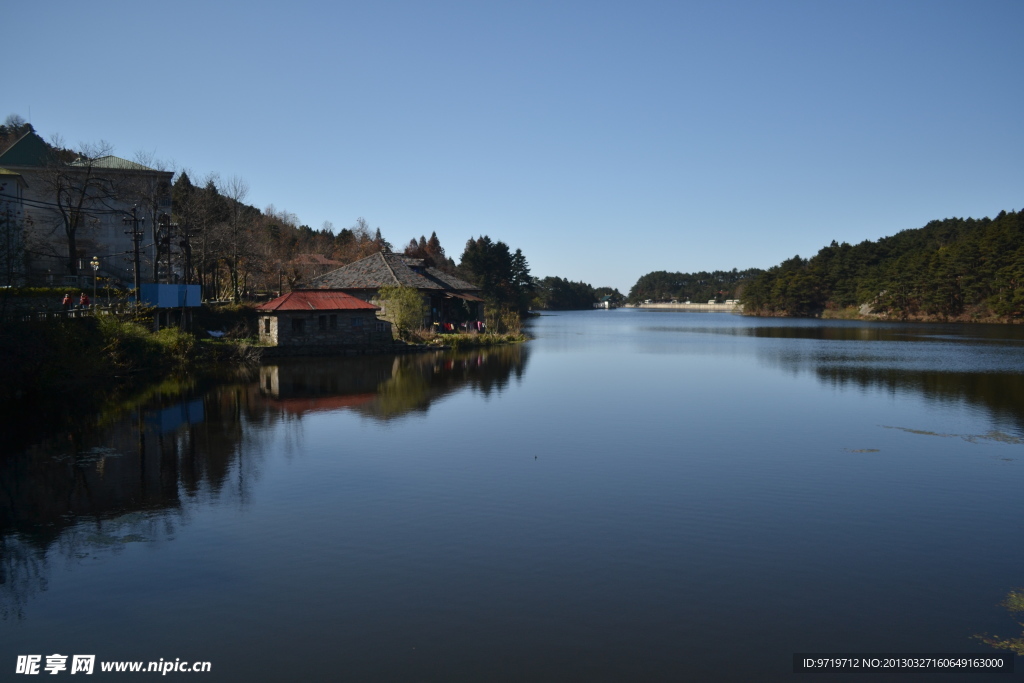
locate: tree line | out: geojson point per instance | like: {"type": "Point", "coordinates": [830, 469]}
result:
{"type": "Point", "coordinates": [700, 287]}
{"type": "Point", "coordinates": [558, 294]}
{"type": "Point", "coordinates": [957, 268]}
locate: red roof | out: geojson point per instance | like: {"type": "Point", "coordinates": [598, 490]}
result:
{"type": "Point", "coordinates": [300, 406]}
{"type": "Point", "coordinates": [319, 300]}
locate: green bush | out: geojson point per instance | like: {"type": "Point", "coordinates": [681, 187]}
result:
{"type": "Point", "coordinates": [128, 346]}
{"type": "Point", "coordinates": [404, 307]}
{"type": "Point", "coordinates": [177, 346]}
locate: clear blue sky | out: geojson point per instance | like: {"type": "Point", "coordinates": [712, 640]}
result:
{"type": "Point", "coordinates": [604, 139]}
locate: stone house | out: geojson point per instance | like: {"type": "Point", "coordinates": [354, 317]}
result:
{"type": "Point", "coordinates": [446, 298]}
{"type": "Point", "coordinates": [321, 319]}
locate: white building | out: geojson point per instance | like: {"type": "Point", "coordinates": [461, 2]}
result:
{"type": "Point", "coordinates": [77, 208]}
{"type": "Point", "coordinates": [12, 216]}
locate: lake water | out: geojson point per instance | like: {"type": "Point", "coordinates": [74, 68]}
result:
{"type": "Point", "coordinates": [631, 496]}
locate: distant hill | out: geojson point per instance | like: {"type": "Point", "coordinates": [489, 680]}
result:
{"type": "Point", "coordinates": [953, 269]}
{"type": "Point", "coordinates": [697, 287]}
{"type": "Point", "coordinates": [558, 294]}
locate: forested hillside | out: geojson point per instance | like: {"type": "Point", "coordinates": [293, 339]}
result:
{"type": "Point", "coordinates": [953, 269]}
{"type": "Point", "coordinates": [697, 287]}
{"type": "Point", "coordinates": [559, 294]}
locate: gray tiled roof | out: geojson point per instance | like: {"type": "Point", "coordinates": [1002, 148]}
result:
{"type": "Point", "coordinates": [111, 161]}
{"type": "Point", "coordinates": [382, 270]}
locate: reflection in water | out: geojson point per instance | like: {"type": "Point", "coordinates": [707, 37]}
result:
{"type": "Point", "coordinates": [982, 365]}
{"type": "Point", "coordinates": [122, 482]}
{"type": "Point", "coordinates": [992, 435]}
{"type": "Point", "coordinates": [385, 387]}
{"type": "Point", "coordinates": [1002, 395]}
{"type": "Point", "coordinates": [131, 478]}
{"type": "Point", "coordinates": [689, 489]}
{"type": "Point", "coordinates": [873, 332]}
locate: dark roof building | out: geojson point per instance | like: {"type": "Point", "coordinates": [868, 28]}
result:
{"type": "Point", "coordinates": [383, 270]}
{"type": "Point", "coordinates": [446, 298]}
{"type": "Point", "coordinates": [28, 150]}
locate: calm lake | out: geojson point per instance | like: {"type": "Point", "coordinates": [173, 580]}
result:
{"type": "Point", "coordinates": [631, 496]}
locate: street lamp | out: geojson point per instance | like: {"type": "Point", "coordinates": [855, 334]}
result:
{"type": "Point", "coordinates": [95, 263]}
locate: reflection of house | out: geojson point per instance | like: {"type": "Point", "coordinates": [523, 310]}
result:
{"type": "Point", "coordinates": [94, 195]}
{"type": "Point", "coordinates": [321, 319]}
{"type": "Point", "coordinates": [300, 386]}
{"type": "Point", "coordinates": [384, 386]}
{"type": "Point", "coordinates": [446, 298]}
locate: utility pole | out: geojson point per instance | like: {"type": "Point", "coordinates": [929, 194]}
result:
{"type": "Point", "coordinates": [187, 232]}
{"type": "Point", "coordinates": [164, 236]}
{"type": "Point", "coordinates": [160, 233]}
{"type": "Point", "coordinates": [7, 229]}
{"type": "Point", "coordinates": [136, 234]}
{"type": "Point", "coordinates": [172, 232]}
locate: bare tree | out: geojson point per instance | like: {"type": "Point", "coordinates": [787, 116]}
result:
{"type": "Point", "coordinates": [149, 187]}
{"type": "Point", "coordinates": [212, 215]}
{"type": "Point", "coordinates": [14, 121]}
{"type": "Point", "coordinates": [235, 190]}
{"type": "Point", "coordinates": [80, 193]}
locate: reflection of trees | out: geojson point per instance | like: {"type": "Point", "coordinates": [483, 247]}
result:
{"type": "Point", "coordinates": [875, 332]}
{"type": "Point", "coordinates": [419, 380]}
{"type": "Point", "coordinates": [1001, 394]}
{"type": "Point", "coordinates": [22, 573]}
{"type": "Point", "coordinates": [132, 475]}
{"type": "Point", "coordinates": [385, 387]}
{"type": "Point", "coordinates": [126, 480]}
{"type": "Point", "coordinates": [978, 364]}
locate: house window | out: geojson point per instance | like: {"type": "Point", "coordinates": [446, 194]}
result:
{"type": "Point", "coordinates": [323, 323]}
{"type": "Point", "coordinates": [382, 326]}
{"type": "Point", "coordinates": [334, 322]}
{"type": "Point", "coordinates": [298, 326]}
{"type": "Point", "coordinates": [357, 323]}
{"type": "Point", "coordinates": [266, 325]}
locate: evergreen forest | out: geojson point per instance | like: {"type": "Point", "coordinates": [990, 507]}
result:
{"type": "Point", "coordinates": [699, 288]}
{"type": "Point", "coordinates": [559, 294]}
{"type": "Point", "coordinates": [960, 269]}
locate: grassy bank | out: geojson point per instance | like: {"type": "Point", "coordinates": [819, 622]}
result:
{"type": "Point", "coordinates": [468, 341]}
{"type": "Point", "coordinates": [55, 373]}
{"type": "Point", "coordinates": [79, 357]}
{"type": "Point", "coordinates": [464, 340]}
